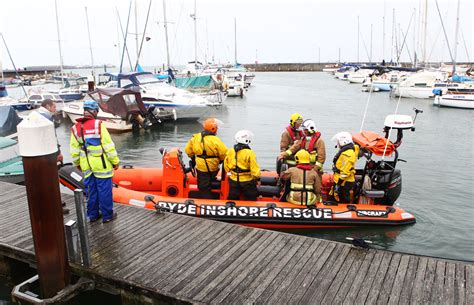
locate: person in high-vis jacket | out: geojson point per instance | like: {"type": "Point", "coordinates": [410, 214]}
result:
{"type": "Point", "coordinates": [314, 144]}
{"type": "Point", "coordinates": [93, 152]}
{"type": "Point", "coordinates": [241, 164]}
{"type": "Point", "coordinates": [344, 167]}
{"type": "Point", "coordinates": [206, 151]}
{"type": "Point", "coordinates": [303, 180]}
{"type": "Point", "coordinates": [292, 135]}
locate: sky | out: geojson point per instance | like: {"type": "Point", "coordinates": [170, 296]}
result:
{"type": "Point", "coordinates": [267, 31]}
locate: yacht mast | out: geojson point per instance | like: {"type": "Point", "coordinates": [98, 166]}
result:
{"type": "Point", "coordinates": [383, 35]}
{"type": "Point", "coordinates": [393, 34]}
{"type": "Point", "coordinates": [136, 29]}
{"type": "Point", "coordinates": [59, 42]}
{"type": "Point", "coordinates": [166, 34]}
{"type": "Point", "coordinates": [456, 38]}
{"type": "Point", "coordinates": [235, 39]}
{"type": "Point", "coordinates": [195, 35]}
{"type": "Point", "coordinates": [371, 31]}
{"type": "Point", "coordinates": [358, 38]}
{"type": "Point", "coordinates": [90, 44]}
{"type": "Point", "coordinates": [425, 26]}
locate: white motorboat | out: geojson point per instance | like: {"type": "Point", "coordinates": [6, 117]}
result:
{"type": "Point", "coordinates": [114, 123]}
{"type": "Point", "coordinates": [178, 103]}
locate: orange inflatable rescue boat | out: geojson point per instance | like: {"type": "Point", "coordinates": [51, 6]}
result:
{"type": "Point", "coordinates": [173, 188]}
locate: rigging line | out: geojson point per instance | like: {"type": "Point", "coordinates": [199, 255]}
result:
{"type": "Point", "coordinates": [175, 44]}
{"type": "Point", "coordinates": [143, 36]}
{"type": "Point", "coordinates": [404, 39]}
{"type": "Point", "coordinates": [125, 38]}
{"type": "Point", "coordinates": [13, 63]}
{"type": "Point", "coordinates": [367, 104]}
{"type": "Point", "coordinates": [365, 47]}
{"type": "Point", "coordinates": [444, 30]}
{"type": "Point", "coordinates": [465, 46]}
{"type": "Point", "coordinates": [391, 127]}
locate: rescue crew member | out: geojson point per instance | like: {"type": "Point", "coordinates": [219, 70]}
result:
{"type": "Point", "coordinates": [241, 164]}
{"type": "Point", "coordinates": [206, 151]}
{"type": "Point", "coordinates": [344, 167]}
{"type": "Point", "coordinates": [93, 152]}
{"type": "Point", "coordinates": [290, 136]}
{"type": "Point", "coordinates": [303, 180]}
{"type": "Point", "coordinates": [314, 144]}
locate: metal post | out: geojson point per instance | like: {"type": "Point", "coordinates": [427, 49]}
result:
{"type": "Point", "coordinates": [73, 243]}
{"type": "Point", "coordinates": [82, 227]}
{"type": "Point", "coordinates": [38, 147]}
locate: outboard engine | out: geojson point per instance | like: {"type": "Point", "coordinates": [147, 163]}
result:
{"type": "Point", "coordinates": [390, 182]}
{"type": "Point", "coordinates": [385, 179]}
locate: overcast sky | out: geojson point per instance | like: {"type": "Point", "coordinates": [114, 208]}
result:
{"type": "Point", "coordinates": [269, 31]}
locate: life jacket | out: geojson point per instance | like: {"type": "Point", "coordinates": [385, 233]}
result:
{"type": "Point", "coordinates": [339, 153]}
{"type": "Point", "coordinates": [204, 154]}
{"type": "Point", "coordinates": [87, 131]}
{"type": "Point", "coordinates": [303, 189]}
{"type": "Point", "coordinates": [237, 169]}
{"type": "Point", "coordinates": [312, 142]}
{"type": "Point", "coordinates": [94, 156]}
{"type": "Point", "coordinates": [291, 132]}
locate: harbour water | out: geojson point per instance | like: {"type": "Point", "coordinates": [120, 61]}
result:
{"type": "Point", "coordinates": [437, 177]}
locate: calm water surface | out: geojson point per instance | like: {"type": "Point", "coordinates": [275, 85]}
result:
{"type": "Point", "coordinates": [437, 179]}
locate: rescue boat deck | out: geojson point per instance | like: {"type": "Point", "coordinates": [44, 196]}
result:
{"type": "Point", "coordinates": [181, 259]}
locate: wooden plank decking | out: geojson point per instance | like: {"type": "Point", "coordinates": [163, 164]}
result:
{"type": "Point", "coordinates": [178, 258]}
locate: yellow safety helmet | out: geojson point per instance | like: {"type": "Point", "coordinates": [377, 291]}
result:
{"type": "Point", "coordinates": [302, 157]}
{"type": "Point", "coordinates": [294, 118]}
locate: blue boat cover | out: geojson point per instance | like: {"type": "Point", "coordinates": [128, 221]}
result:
{"type": "Point", "coordinates": [459, 79]}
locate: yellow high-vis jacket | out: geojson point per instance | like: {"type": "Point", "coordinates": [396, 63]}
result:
{"type": "Point", "coordinates": [242, 167]}
{"type": "Point", "coordinates": [97, 155]}
{"type": "Point", "coordinates": [208, 150]}
{"type": "Point", "coordinates": [344, 166]}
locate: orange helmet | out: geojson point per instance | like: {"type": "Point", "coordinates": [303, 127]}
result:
{"type": "Point", "coordinates": [211, 125]}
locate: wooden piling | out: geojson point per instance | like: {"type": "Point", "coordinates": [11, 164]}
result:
{"type": "Point", "coordinates": [37, 143]}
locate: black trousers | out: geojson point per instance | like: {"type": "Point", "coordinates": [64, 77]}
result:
{"type": "Point", "coordinates": [248, 189]}
{"type": "Point", "coordinates": [204, 183]}
{"type": "Point", "coordinates": [345, 192]}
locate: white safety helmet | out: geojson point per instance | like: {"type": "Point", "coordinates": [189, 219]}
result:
{"type": "Point", "coordinates": [310, 126]}
{"type": "Point", "coordinates": [342, 138]}
{"type": "Point", "coordinates": [244, 136]}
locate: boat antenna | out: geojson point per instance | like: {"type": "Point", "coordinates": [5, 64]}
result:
{"type": "Point", "coordinates": [13, 63]}
{"type": "Point", "coordinates": [125, 37]}
{"type": "Point", "coordinates": [143, 36]}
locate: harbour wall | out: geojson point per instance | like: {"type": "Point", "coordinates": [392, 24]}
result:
{"type": "Point", "coordinates": [312, 67]}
